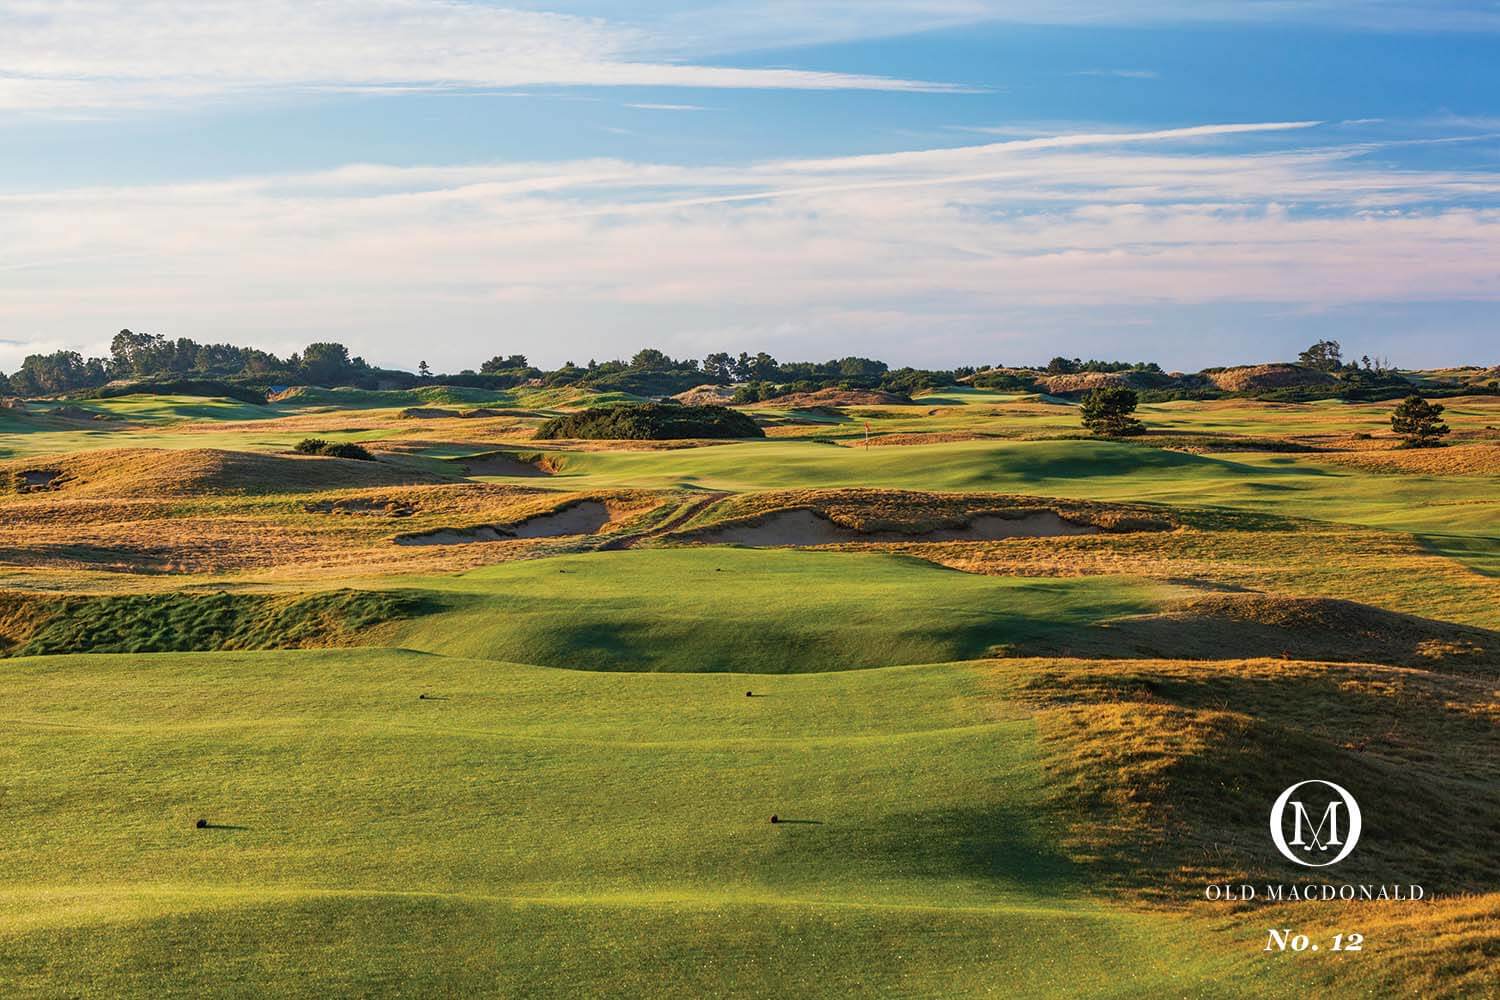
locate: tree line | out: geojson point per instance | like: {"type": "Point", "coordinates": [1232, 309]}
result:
{"type": "Point", "coordinates": [154, 358]}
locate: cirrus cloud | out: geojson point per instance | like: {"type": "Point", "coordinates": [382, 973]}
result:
{"type": "Point", "coordinates": [101, 54]}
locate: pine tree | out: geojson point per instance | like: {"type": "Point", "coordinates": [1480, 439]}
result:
{"type": "Point", "coordinates": [1419, 422]}
{"type": "Point", "coordinates": [1111, 412]}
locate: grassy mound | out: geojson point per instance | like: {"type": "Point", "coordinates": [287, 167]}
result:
{"type": "Point", "coordinates": [1262, 378]}
{"type": "Point", "coordinates": [125, 473]}
{"type": "Point", "coordinates": [212, 388]}
{"type": "Point", "coordinates": [1247, 626]}
{"type": "Point", "coordinates": [652, 422]}
{"type": "Point", "coordinates": [430, 395]}
{"type": "Point", "coordinates": [157, 623]}
{"type": "Point", "coordinates": [1165, 770]}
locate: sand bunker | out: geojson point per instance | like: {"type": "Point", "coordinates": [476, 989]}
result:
{"type": "Point", "coordinates": [808, 527]}
{"type": "Point", "coordinates": [31, 480]}
{"type": "Point", "coordinates": [502, 463]}
{"type": "Point", "coordinates": [583, 518]}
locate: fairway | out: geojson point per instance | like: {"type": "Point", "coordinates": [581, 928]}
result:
{"type": "Point", "coordinates": [616, 821]}
{"type": "Point", "coordinates": [753, 611]}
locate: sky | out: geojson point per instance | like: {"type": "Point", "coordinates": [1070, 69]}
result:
{"type": "Point", "coordinates": [929, 182]}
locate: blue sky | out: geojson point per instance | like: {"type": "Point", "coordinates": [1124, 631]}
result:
{"type": "Point", "coordinates": [929, 181]}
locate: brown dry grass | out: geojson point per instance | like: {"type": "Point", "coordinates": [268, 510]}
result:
{"type": "Point", "coordinates": [1163, 770]}
{"type": "Point", "coordinates": [1307, 559]}
{"type": "Point", "coordinates": [1239, 626]}
{"type": "Point", "coordinates": [153, 539]}
{"type": "Point", "coordinates": [1481, 459]}
{"type": "Point", "coordinates": [834, 397]}
{"type": "Point", "coordinates": [157, 472]}
{"type": "Point", "coordinates": [1258, 378]}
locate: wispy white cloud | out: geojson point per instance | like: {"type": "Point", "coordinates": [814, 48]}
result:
{"type": "Point", "coordinates": [1124, 74]}
{"type": "Point", "coordinates": [705, 25]}
{"type": "Point", "coordinates": [667, 107]}
{"type": "Point", "coordinates": [661, 250]}
{"type": "Point", "coordinates": [105, 54]}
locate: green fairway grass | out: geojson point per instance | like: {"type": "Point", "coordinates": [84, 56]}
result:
{"type": "Point", "coordinates": [753, 611]}
{"type": "Point", "coordinates": [549, 832]}
{"type": "Point", "coordinates": [1094, 470]}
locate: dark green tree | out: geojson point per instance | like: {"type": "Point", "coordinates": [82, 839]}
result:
{"type": "Point", "coordinates": [1418, 422]}
{"type": "Point", "coordinates": [1111, 412]}
{"type": "Point", "coordinates": [1325, 355]}
{"type": "Point", "coordinates": [719, 367]}
{"type": "Point", "coordinates": [651, 359]}
{"type": "Point", "coordinates": [60, 371]}
{"type": "Point", "coordinates": [326, 363]}
{"type": "Point", "coordinates": [423, 371]}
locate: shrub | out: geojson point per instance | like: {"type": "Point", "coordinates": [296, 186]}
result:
{"type": "Point", "coordinates": [1110, 412]}
{"type": "Point", "coordinates": [652, 422]}
{"type": "Point", "coordinates": [1418, 422]}
{"type": "Point", "coordinates": [185, 387]}
{"type": "Point", "coordinates": [331, 449]}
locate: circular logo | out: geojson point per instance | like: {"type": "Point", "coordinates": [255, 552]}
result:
{"type": "Point", "coordinates": [1322, 818]}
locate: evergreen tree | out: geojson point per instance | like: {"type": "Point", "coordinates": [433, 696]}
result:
{"type": "Point", "coordinates": [1418, 422]}
{"type": "Point", "coordinates": [1110, 412]}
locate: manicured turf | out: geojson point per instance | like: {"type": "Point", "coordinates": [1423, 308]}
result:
{"type": "Point", "coordinates": [753, 611]}
{"type": "Point", "coordinates": [550, 832]}
{"type": "Point", "coordinates": [1095, 470]}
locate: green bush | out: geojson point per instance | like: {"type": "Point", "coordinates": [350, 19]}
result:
{"type": "Point", "coordinates": [332, 449]}
{"type": "Point", "coordinates": [652, 422]}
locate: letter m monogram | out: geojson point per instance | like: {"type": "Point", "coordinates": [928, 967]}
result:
{"type": "Point", "coordinates": [1330, 820]}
